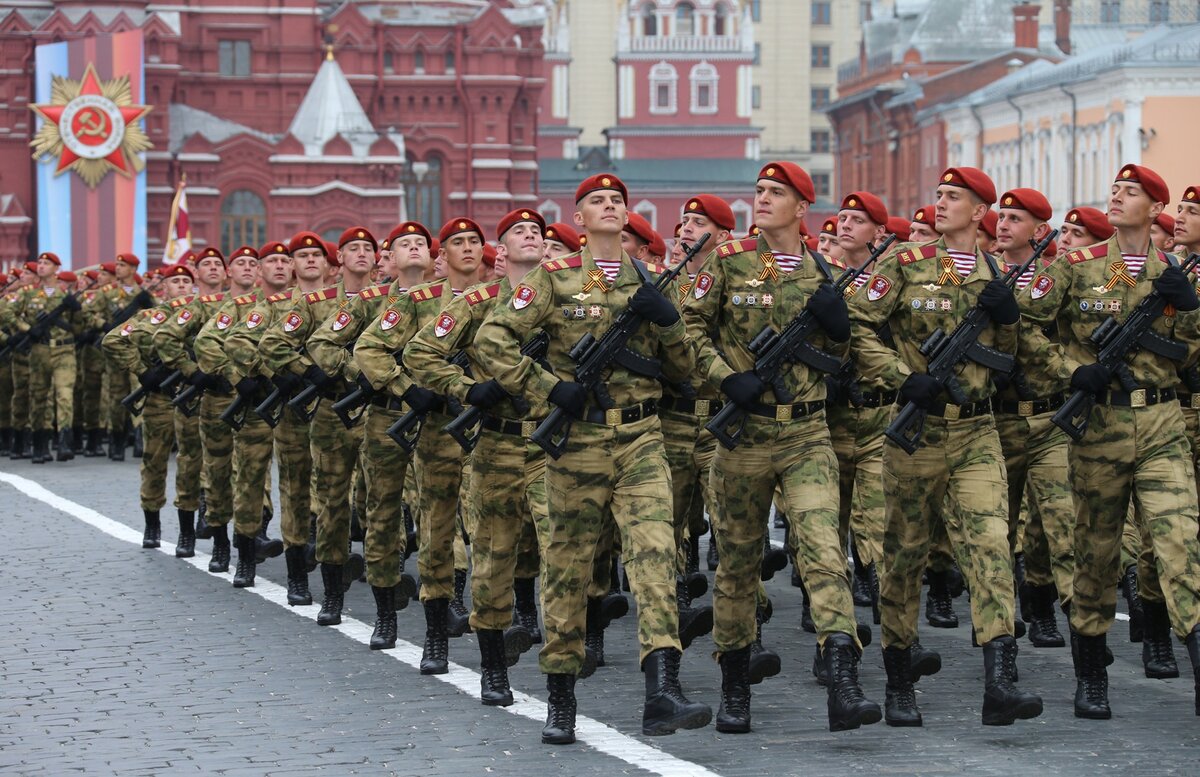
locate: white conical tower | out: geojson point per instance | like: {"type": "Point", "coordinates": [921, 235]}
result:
{"type": "Point", "coordinates": [331, 108]}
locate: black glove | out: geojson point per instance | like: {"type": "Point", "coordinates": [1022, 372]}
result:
{"type": "Point", "coordinates": [830, 312]}
{"type": "Point", "coordinates": [144, 299]}
{"type": "Point", "coordinates": [422, 399]}
{"type": "Point", "coordinates": [152, 378]}
{"type": "Point", "coordinates": [364, 384]}
{"type": "Point", "coordinates": [485, 394]}
{"type": "Point", "coordinates": [744, 389]}
{"type": "Point", "coordinates": [570, 397]}
{"type": "Point", "coordinates": [200, 379]}
{"type": "Point", "coordinates": [287, 382]}
{"type": "Point", "coordinates": [1092, 378]}
{"type": "Point", "coordinates": [1175, 288]}
{"type": "Point", "coordinates": [1001, 380]}
{"type": "Point", "coordinates": [71, 303]}
{"type": "Point", "coordinates": [998, 300]}
{"type": "Point", "coordinates": [315, 376]}
{"type": "Point", "coordinates": [833, 390]}
{"type": "Point", "coordinates": [921, 390]}
{"type": "Point", "coordinates": [649, 303]}
{"type": "Point", "coordinates": [39, 333]}
{"type": "Point", "coordinates": [248, 387]}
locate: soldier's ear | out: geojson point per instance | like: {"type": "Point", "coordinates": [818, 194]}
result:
{"type": "Point", "coordinates": [578, 219]}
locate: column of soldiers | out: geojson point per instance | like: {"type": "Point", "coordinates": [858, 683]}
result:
{"type": "Point", "coordinates": [404, 386]}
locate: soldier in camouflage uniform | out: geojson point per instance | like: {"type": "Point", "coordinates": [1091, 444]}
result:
{"type": "Point", "coordinates": [614, 465]}
{"type": "Point", "coordinates": [7, 297]}
{"type": "Point", "coordinates": [121, 299]}
{"type": "Point", "coordinates": [1136, 444]}
{"type": "Point", "coordinates": [957, 475]}
{"type": "Point", "coordinates": [22, 447]}
{"type": "Point", "coordinates": [90, 382]}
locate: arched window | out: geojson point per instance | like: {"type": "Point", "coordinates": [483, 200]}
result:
{"type": "Point", "coordinates": [663, 80]}
{"type": "Point", "coordinates": [423, 190]}
{"type": "Point", "coordinates": [703, 79]}
{"type": "Point", "coordinates": [649, 20]}
{"type": "Point", "coordinates": [243, 220]}
{"type": "Point", "coordinates": [685, 19]}
{"type": "Point", "coordinates": [551, 211]}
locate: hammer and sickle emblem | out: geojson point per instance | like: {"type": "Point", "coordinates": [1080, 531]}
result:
{"type": "Point", "coordinates": [92, 124]}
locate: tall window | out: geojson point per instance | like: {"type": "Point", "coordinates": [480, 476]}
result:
{"type": "Point", "coordinates": [234, 58]}
{"type": "Point", "coordinates": [243, 220]}
{"type": "Point", "coordinates": [821, 184]}
{"type": "Point", "coordinates": [448, 61]}
{"type": "Point", "coordinates": [419, 61]}
{"type": "Point", "coordinates": [649, 21]}
{"type": "Point", "coordinates": [821, 55]}
{"type": "Point", "coordinates": [1160, 11]}
{"type": "Point", "coordinates": [663, 80]}
{"type": "Point", "coordinates": [423, 189]}
{"type": "Point", "coordinates": [819, 141]}
{"type": "Point", "coordinates": [685, 19]}
{"type": "Point", "coordinates": [756, 10]}
{"type": "Point", "coordinates": [720, 21]}
{"type": "Point", "coordinates": [1110, 11]}
{"type": "Point", "coordinates": [704, 88]}
{"type": "Point", "coordinates": [821, 12]}
{"type": "Point", "coordinates": [820, 97]}
{"type": "Point", "coordinates": [389, 62]}
{"type": "Point", "coordinates": [755, 97]}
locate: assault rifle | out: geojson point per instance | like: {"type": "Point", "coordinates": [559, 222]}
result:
{"type": "Point", "coordinates": [407, 428]}
{"type": "Point", "coordinates": [594, 357]}
{"type": "Point", "coordinates": [535, 349]}
{"type": "Point", "coordinates": [946, 352]}
{"type": "Point", "coordinates": [136, 399]}
{"type": "Point", "coordinates": [1115, 341]}
{"type": "Point", "coordinates": [774, 351]}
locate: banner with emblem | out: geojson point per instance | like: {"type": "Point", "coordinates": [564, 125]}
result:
{"type": "Point", "coordinates": [89, 141]}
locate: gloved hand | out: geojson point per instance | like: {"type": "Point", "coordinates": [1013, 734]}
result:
{"type": "Point", "coordinates": [39, 333]}
{"type": "Point", "coordinates": [315, 376]}
{"type": "Point", "coordinates": [650, 303]}
{"type": "Point", "coordinates": [287, 382]}
{"type": "Point", "coordinates": [201, 379]}
{"type": "Point", "coordinates": [833, 390]}
{"type": "Point", "coordinates": [1176, 289]}
{"type": "Point", "coordinates": [485, 394]}
{"type": "Point", "coordinates": [422, 399]}
{"type": "Point", "coordinates": [1092, 378]}
{"type": "Point", "coordinates": [998, 300]}
{"type": "Point", "coordinates": [570, 397]}
{"type": "Point", "coordinates": [152, 378]}
{"type": "Point", "coordinates": [831, 312]}
{"type": "Point", "coordinates": [248, 387]}
{"type": "Point", "coordinates": [364, 384]}
{"type": "Point", "coordinates": [71, 303]}
{"type": "Point", "coordinates": [1001, 380]}
{"type": "Point", "coordinates": [144, 299]}
{"type": "Point", "coordinates": [744, 389]}
{"type": "Point", "coordinates": [921, 390]}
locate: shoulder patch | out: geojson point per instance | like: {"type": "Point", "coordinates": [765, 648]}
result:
{"type": "Point", "coordinates": [564, 262]}
{"type": "Point", "coordinates": [477, 295]}
{"type": "Point", "coordinates": [341, 320]}
{"type": "Point", "coordinates": [245, 299]}
{"type": "Point", "coordinates": [1091, 252]}
{"type": "Point", "coordinates": [703, 283]}
{"type": "Point", "coordinates": [323, 294]}
{"type": "Point", "coordinates": [738, 246]}
{"type": "Point", "coordinates": [281, 296]}
{"type": "Point", "coordinates": [213, 297]}
{"type": "Point", "coordinates": [657, 269]}
{"type": "Point", "coordinates": [910, 255]}
{"type": "Point", "coordinates": [375, 291]}
{"type": "Point", "coordinates": [179, 302]}
{"type": "Point", "coordinates": [426, 293]}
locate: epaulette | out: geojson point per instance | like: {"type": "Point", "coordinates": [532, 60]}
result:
{"type": "Point", "coordinates": [737, 246]}
{"type": "Point", "coordinates": [564, 262]}
{"type": "Point", "coordinates": [1091, 252]}
{"type": "Point", "coordinates": [427, 292]}
{"type": "Point", "coordinates": [179, 302]}
{"type": "Point", "coordinates": [319, 296]}
{"type": "Point", "coordinates": [657, 269]}
{"type": "Point", "coordinates": [245, 299]}
{"type": "Point", "coordinates": [219, 296]}
{"type": "Point", "coordinates": [833, 262]}
{"type": "Point", "coordinates": [481, 293]}
{"type": "Point", "coordinates": [375, 291]}
{"type": "Point", "coordinates": [281, 296]}
{"type": "Point", "coordinates": [910, 255]}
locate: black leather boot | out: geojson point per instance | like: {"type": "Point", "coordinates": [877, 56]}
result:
{"type": "Point", "coordinates": [406, 589]}
{"type": "Point", "coordinates": [939, 606]}
{"type": "Point", "coordinates": [458, 621]}
{"type": "Point", "coordinates": [667, 710]}
{"type": "Point", "coordinates": [516, 641]}
{"type": "Point", "coordinates": [560, 710]}
{"type": "Point", "coordinates": [243, 576]}
{"type": "Point", "coordinates": [435, 655]}
{"type": "Point", "coordinates": [297, 586]}
{"type": "Point", "coordinates": [712, 558]}
{"type": "Point", "coordinates": [18, 444]}
{"type": "Point", "coordinates": [78, 440]}
{"type": "Point", "coordinates": [694, 621]}
{"type": "Point", "coordinates": [1003, 702]}
{"type": "Point", "coordinates": [354, 569]}
{"type": "Point", "coordinates": [95, 445]}
{"type": "Point", "coordinates": [331, 605]}
{"type": "Point", "coordinates": [692, 564]}
{"type": "Point", "coordinates": [1091, 678]}
{"type": "Point", "coordinates": [66, 445]}
{"type": "Point", "coordinates": [186, 546]}
{"type": "Point", "coordinates": [41, 447]}
{"type": "Point", "coordinates": [848, 708]}
{"type": "Point", "coordinates": [734, 715]}
{"type": "Point", "coordinates": [1158, 655]}
{"type": "Point", "coordinates": [116, 445]}
{"type": "Point", "coordinates": [806, 620]}
{"type": "Point", "coordinates": [6, 435]}
{"type": "Point", "coordinates": [525, 608]}
{"type": "Point", "coordinates": [1133, 600]}
{"type": "Point", "coordinates": [922, 662]}
{"type": "Point", "coordinates": [264, 546]}
{"type": "Point", "coordinates": [220, 551]}
{"type": "Point", "coordinates": [774, 560]}
{"type": "Point", "coordinates": [1193, 649]}
{"type": "Point", "coordinates": [861, 589]}
{"type": "Point", "coordinates": [764, 662]}
{"type": "Point", "coordinates": [384, 635]}
{"type": "Point", "coordinates": [494, 690]}
{"type": "Point", "coordinates": [153, 530]}
{"type": "Point", "coordinates": [593, 638]}
{"type": "Point", "coordinates": [1043, 628]}
{"type": "Point", "coordinates": [697, 585]}
{"type": "Point", "coordinates": [900, 703]}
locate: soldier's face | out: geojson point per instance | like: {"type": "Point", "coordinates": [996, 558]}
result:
{"type": "Point", "coordinates": [856, 230]}
{"type": "Point", "coordinates": [1161, 238]}
{"type": "Point", "coordinates": [124, 272]}
{"type": "Point", "coordinates": [275, 270]}
{"type": "Point", "coordinates": [956, 208]}
{"type": "Point", "coordinates": [411, 252]}
{"type": "Point", "coordinates": [602, 212]}
{"type": "Point", "coordinates": [552, 249]}
{"type": "Point", "coordinates": [1073, 236]}
{"type": "Point", "coordinates": [1187, 225]}
{"type": "Point", "coordinates": [694, 226]}
{"type": "Point", "coordinates": [104, 278]}
{"type": "Point", "coordinates": [385, 265]}
{"type": "Point", "coordinates": [464, 252]}
{"type": "Point", "coordinates": [777, 205]}
{"type": "Point", "coordinates": [521, 246]}
{"type": "Point", "coordinates": [210, 271]}
{"type": "Point", "coordinates": [310, 264]}
{"type": "Point", "coordinates": [634, 246]}
{"type": "Point", "coordinates": [243, 271]}
{"type": "Point", "coordinates": [1130, 206]}
{"type": "Point", "coordinates": [177, 286]}
{"type": "Point", "coordinates": [920, 232]}
{"type": "Point", "coordinates": [357, 257]}
{"type": "Point", "coordinates": [1014, 229]}
{"type": "Point", "coordinates": [46, 268]}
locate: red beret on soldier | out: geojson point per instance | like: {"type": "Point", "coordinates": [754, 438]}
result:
{"type": "Point", "coordinates": [133, 261]}
{"type": "Point", "coordinates": [109, 267]}
{"type": "Point", "coordinates": [357, 233]}
{"type": "Point", "coordinates": [303, 240]}
{"type": "Point", "coordinates": [212, 252]}
{"type": "Point", "coordinates": [712, 208]}
{"type": "Point", "coordinates": [1093, 220]}
{"type": "Point", "coordinates": [274, 247]}
{"type": "Point", "coordinates": [460, 224]}
{"type": "Point", "coordinates": [868, 203]}
{"type": "Point", "coordinates": [790, 174]}
{"type": "Point", "coordinates": [563, 233]}
{"type": "Point", "coordinates": [50, 257]}
{"type": "Point", "coordinates": [512, 218]}
{"type": "Point", "coordinates": [898, 226]}
{"type": "Point", "coordinates": [829, 227]}
{"type": "Point", "coordinates": [1166, 223]}
{"type": "Point", "coordinates": [489, 255]}
{"type": "Point", "coordinates": [973, 179]}
{"type": "Point", "coordinates": [640, 228]}
{"type": "Point", "coordinates": [924, 214]}
{"type": "Point", "coordinates": [66, 276]}
{"type": "Point", "coordinates": [174, 270]}
{"type": "Point", "coordinates": [988, 225]}
{"type": "Point", "coordinates": [250, 251]}
{"type": "Point", "coordinates": [1150, 181]}
{"type": "Point", "coordinates": [407, 228]}
{"type": "Point", "coordinates": [1029, 200]}
{"type": "Point", "coordinates": [601, 182]}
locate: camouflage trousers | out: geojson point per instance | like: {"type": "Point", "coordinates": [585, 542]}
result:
{"type": "Point", "coordinates": [120, 383]}
{"type": "Point", "coordinates": [507, 497]}
{"type": "Point", "coordinates": [439, 469]}
{"type": "Point", "coordinates": [335, 450]}
{"type": "Point", "coordinates": [956, 476]}
{"type": "Point", "coordinates": [857, 437]}
{"type": "Point", "coordinates": [384, 464]}
{"type": "Point", "coordinates": [690, 453]}
{"type": "Point", "coordinates": [464, 523]}
{"type": "Point", "coordinates": [1140, 454]}
{"type": "Point", "coordinates": [1191, 422]}
{"type": "Point", "coordinates": [6, 396]}
{"type": "Point", "coordinates": [20, 391]}
{"type": "Point", "coordinates": [52, 385]}
{"type": "Point", "coordinates": [158, 435]}
{"type": "Point", "coordinates": [189, 462]}
{"type": "Point", "coordinates": [618, 474]}
{"type": "Point", "coordinates": [253, 446]}
{"type": "Point", "coordinates": [798, 457]}
{"type": "Point", "coordinates": [89, 386]}
{"type": "Point", "coordinates": [217, 444]}
{"type": "Point", "coordinates": [293, 452]}
{"type": "Point", "coordinates": [1035, 458]}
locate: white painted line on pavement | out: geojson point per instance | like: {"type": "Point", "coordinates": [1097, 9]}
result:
{"type": "Point", "coordinates": [591, 732]}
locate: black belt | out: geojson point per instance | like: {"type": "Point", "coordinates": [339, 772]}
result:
{"type": "Point", "coordinates": [705, 408]}
{"type": "Point", "coordinates": [621, 415]}
{"type": "Point", "coordinates": [1029, 407]}
{"type": "Point", "coordinates": [877, 399]}
{"type": "Point", "coordinates": [387, 402]}
{"type": "Point", "coordinates": [786, 412]}
{"type": "Point", "coordinates": [507, 426]}
{"type": "Point", "coordinates": [1190, 401]}
{"type": "Point", "coordinates": [957, 412]}
{"type": "Point", "coordinates": [1137, 398]}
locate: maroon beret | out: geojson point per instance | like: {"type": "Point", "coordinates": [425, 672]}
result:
{"type": "Point", "coordinates": [601, 182]}
{"type": "Point", "coordinates": [713, 208]}
{"type": "Point", "coordinates": [407, 228]}
{"type": "Point", "coordinates": [867, 203]}
{"type": "Point", "coordinates": [563, 233]}
{"type": "Point", "coordinates": [1151, 181]}
{"type": "Point", "coordinates": [898, 226]}
{"type": "Point", "coordinates": [515, 217]}
{"type": "Point", "coordinates": [1093, 220]}
{"type": "Point", "coordinates": [357, 233]}
{"type": "Point", "coordinates": [791, 174]}
{"type": "Point", "coordinates": [1028, 199]}
{"type": "Point", "coordinates": [460, 224]}
{"type": "Point", "coordinates": [988, 225]}
{"type": "Point", "coordinates": [971, 178]}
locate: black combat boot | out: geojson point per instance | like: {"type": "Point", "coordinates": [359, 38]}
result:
{"type": "Point", "coordinates": [525, 608]}
{"type": "Point", "coordinates": [1133, 600]}
{"type": "Point", "coordinates": [1043, 628]}
{"type": "Point", "coordinates": [6, 435]}
{"type": "Point", "coordinates": [939, 606]}
{"type": "Point", "coordinates": [458, 621]}
{"type": "Point", "coordinates": [153, 529]}
{"type": "Point", "coordinates": [494, 690]}
{"type": "Point", "coordinates": [139, 446]}
{"type": "Point", "coordinates": [734, 715]}
{"type": "Point", "coordinates": [697, 585]}
{"type": "Point", "coordinates": [331, 605]}
{"type": "Point", "coordinates": [848, 708]}
{"type": "Point", "coordinates": [247, 565]}
{"type": "Point", "coordinates": [1003, 702]}
{"type": "Point", "coordinates": [297, 586]}
{"type": "Point", "coordinates": [774, 560]}
{"type": "Point", "coordinates": [410, 533]}
{"type": "Point", "coordinates": [435, 655]}
{"type": "Point", "coordinates": [667, 709]}
{"type": "Point", "coordinates": [28, 444]}
{"type": "Point", "coordinates": [900, 703]}
{"type": "Point", "coordinates": [713, 557]}
{"type": "Point", "coordinates": [384, 635]}
{"type": "Point", "coordinates": [220, 550]}
{"type": "Point", "coordinates": [18, 445]}
{"type": "Point", "coordinates": [922, 662]}
{"type": "Point", "coordinates": [764, 662]}
{"type": "Point", "coordinates": [1091, 678]}
{"type": "Point", "coordinates": [264, 546]}
{"type": "Point", "coordinates": [613, 605]}
{"type": "Point", "coordinates": [116, 445]}
{"type": "Point", "coordinates": [593, 638]}
{"type": "Point", "coordinates": [78, 440]}
{"type": "Point", "coordinates": [862, 583]}
{"type": "Point", "coordinates": [406, 589]}
{"type": "Point", "coordinates": [693, 621]}
{"type": "Point", "coordinates": [873, 581]}
{"type": "Point", "coordinates": [806, 620]}
{"type": "Point", "coordinates": [185, 547]}
{"type": "Point", "coordinates": [691, 565]}
{"type": "Point", "coordinates": [66, 445]}
{"type": "Point", "coordinates": [1193, 649]}
{"type": "Point", "coordinates": [203, 530]}
{"type": "Point", "coordinates": [95, 445]}
{"type": "Point", "coordinates": [354, 569]}
{"type": "Point", "coordinates": [41, 447]}
{"type": "Point", "coordinates": [560, 710]}
{"type": "Point", "coordinates": [1158, 655]}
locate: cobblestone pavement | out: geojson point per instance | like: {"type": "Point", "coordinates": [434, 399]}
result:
{"type": "Point", "coordinates": [118, 660]}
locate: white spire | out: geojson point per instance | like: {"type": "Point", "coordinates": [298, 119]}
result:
{"type": "Point", "coordinates": [331, 108]}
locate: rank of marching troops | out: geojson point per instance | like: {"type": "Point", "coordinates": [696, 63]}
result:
{"type": "Point", "coordinates": [401, 386]}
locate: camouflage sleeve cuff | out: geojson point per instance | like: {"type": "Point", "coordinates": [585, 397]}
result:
{"type": "Point", "coordinates": [673, 334]}
{"type": "Point", "coordinates": [718, 372]}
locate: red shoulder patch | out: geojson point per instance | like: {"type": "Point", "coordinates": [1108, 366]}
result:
{"type": "Point", "coordinates": [910, 255]}
{"type": "Point", "coordinates": [223, 321]}
{"type": "Point", "coordinates": [254, 320]}
{"type": "Point", "coordinates": [564, 262]}
{"type": "Point", "coordinates": [1091, 252]}
{"type": "Point", "coordinates": [445, 325]}
{"type": "Point", "coordinates": [475, 296]}
{"type": "Point", "coordinates": [293, 322]}
{"type": "Point", "coordinates": [427, 293]}
{"type": "Point", "coordinates": [341, 320]}
{"type": "Point", "coordinates": [737, 246]}
{"type": "Point", "coordinates": [375, 291]}
{"type": "Point", "coordinates": [704, 282]}
{"type": "Point", "coordinates": [523, 296]}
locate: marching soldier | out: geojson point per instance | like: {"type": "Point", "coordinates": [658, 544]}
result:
{"type": "Point", "coordinates": [123, 298]}
{"type": "Point", "coordinates": [22, 433]}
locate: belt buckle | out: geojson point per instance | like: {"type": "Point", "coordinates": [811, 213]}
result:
{"type": "Point", "coordinates": [612, 416]}
{"type": "Point", "coordinates": [783, 412]}
{"type": "Point", "coordinates": [952, 412]}
{"type": "Point", "coordinates": [702, 407]}
{"type": "Point", "coordinates": [1195, 401]}
{"type": "Point", "coordinates": [528, 428]}
{"type": "Point", "coordinates": [1025, 407]}
{"type": "Point", "coordinates": [1137, 398]}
